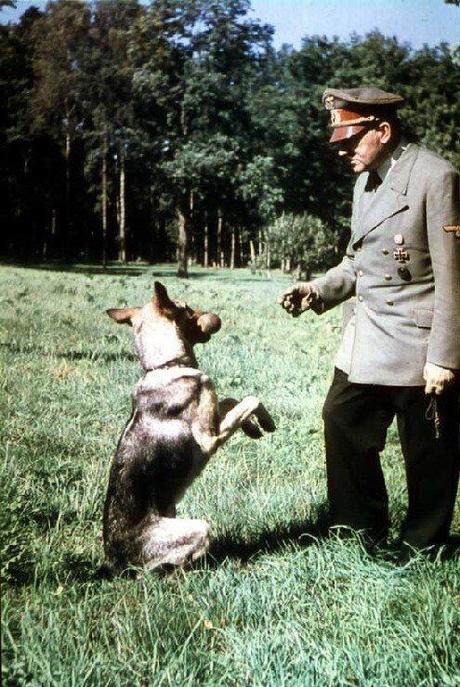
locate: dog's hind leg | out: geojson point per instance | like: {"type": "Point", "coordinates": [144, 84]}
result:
{"type": "Point", "coordinates": [172, 542]}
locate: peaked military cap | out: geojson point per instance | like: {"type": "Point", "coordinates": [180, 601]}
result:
{"type": "Point", "coordinates": [354, 109]}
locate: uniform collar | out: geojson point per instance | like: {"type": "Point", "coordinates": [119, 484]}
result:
{"type": "Point", "coordinates": [389, 162]}
{"type": "Point", "coordinates": [393, 199]}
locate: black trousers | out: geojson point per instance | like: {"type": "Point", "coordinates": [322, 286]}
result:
{"type": "Point", "coordinates": [356, 419]}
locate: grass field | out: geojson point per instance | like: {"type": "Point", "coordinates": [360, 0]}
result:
{"type": "Point", "coordinates": [274, 602]}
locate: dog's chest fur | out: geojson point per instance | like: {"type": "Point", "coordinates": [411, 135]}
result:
{"type": "Point", "coordinates": [165, 394]}
{"type": "Point", "coordinates": [158, 450]}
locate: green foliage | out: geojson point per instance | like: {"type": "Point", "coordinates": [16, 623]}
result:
{"type": "Point", "coordinates": [258, 183]}
{"type": "Point", "coordinates": [303, 242]}
{"type": "Point", "coordinates": [189, 107]}
{"type": "Point", "coordinates": [59, 57]}
{"type": "Point", "coordinates": [274, 603]}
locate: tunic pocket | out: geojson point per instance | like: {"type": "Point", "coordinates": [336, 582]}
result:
{"type": "Point", "coordinates": [423, 318]}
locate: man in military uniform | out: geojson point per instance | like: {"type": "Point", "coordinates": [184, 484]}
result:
{"type": "Point", "coordinates": [400, 351]}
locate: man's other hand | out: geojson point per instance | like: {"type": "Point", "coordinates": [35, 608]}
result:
{"type": "Point", "coordinates": [300, 297]}
{"type": "Point", "coordinates": [437, 378]}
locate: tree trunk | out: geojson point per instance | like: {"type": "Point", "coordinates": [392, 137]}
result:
{"type": "Point", "coordinates": [52, 233]}
{"type": "Point", "coordinates": [67, 181]}
{"type": "Point", "coordinates": [206, 242]}
{"type": "Point", "coordinates": [182, 241]}
{"type": "Point", "coordinates": [220, 245]}
{"type": "Point", "coordinates": [62, 235]}
{"type": "Point", "coordinates": [192, 249]}
{"type": "Point", "coordinates": [104, 200]}
{"type": "Point", "coordinates": [261, 243]}
{"type": "Point", "coordinates": [157, 225]}
{"type": "Point", "coordinates": [122, 218]}
{"type": "Point", "coordinates": [268, 263]}
{"type": "Point", "coordinates": [253, 256]}
{"type": "Point", "coordinates": [232, 249]}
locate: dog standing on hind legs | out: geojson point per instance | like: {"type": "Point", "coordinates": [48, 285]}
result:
{"type": "Point", "coordinates": [176, 425]}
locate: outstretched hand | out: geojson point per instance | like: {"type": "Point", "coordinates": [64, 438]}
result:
{"type": "Point", "coordinates": [298, 298]}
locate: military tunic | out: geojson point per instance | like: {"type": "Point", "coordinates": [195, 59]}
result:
{"type": "Point", "coordinates": [403, 265]}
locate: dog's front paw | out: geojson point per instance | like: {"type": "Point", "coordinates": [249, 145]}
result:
{"type": "Point", "coordinates": [265, 419]}
{"type": "Point", "coordinates": [251, 430]}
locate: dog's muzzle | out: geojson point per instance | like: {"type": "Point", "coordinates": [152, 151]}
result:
{"type": "Point", "coordinates": [209, 323]}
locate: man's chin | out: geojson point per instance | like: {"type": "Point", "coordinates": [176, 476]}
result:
{"type": "Point", "coordinates": [358, 167]}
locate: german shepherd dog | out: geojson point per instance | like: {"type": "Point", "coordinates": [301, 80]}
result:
{"type": "Point", "coordinates": [176, 425]}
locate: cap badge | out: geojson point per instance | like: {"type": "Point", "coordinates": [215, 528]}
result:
{"type": "Point", "coordinates": [398, 239]}
{"type": "Point", "coordinates": [329, 102]}
{"type": "Point", "coordinates": [335, 117]}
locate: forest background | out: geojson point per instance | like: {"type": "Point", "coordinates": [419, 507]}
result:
{"type": "Point", "coordinates": [173, 130]}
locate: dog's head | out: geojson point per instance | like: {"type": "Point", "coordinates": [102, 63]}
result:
{"type": "Point", "coordinates": [166, 329]}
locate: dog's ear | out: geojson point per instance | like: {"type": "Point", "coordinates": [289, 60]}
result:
{"type": "Point", "coordinates": [161, 298]}
{"type": "Point", "coordinates": [209, 323]}
{"type": "Point", "coordinates": [122, 315]}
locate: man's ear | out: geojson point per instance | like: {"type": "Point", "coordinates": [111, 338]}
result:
{"type": "Point", "coordinates": [122, 315]}
{"type": "Point", "coordinates": [386, 131]}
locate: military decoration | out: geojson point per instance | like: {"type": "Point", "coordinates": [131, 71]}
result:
{"type": "Point", "coordinates": [404, 274]}
{"type": "Point", "coordinates": [400, 255]}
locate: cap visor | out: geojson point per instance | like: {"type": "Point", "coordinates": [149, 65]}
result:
{"type": "Point", "coordinates": [340, 133]}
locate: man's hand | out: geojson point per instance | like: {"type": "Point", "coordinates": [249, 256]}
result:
{"type": "Point", "coordinates": [300, 297]}
{"type": "Point", "coordinates": [437, 378]}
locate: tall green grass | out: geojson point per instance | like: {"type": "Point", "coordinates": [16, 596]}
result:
{"type": "Point", "coordinates": [274, 603]}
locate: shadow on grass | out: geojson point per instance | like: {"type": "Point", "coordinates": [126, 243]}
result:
{"type": "Point", "coordinates": [452, 549]}
{"type": "Point", "coordinates": [97, 355]}
{"type": "Point", "coordinates": [82, 570]}
{"type": "Point", "coordinates": [303, 534]}
{"type": "Point", "coordinates": [88, 270]}
{"type": "Point", "coordinates": [269, 541]}
{"type": "Point", "coordinates": [106, 356]}
{"type": "Point", "coordinates": [136, 270]}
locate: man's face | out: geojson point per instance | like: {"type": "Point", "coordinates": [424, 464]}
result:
{"type": "Point", "coordinates": [362, 151]}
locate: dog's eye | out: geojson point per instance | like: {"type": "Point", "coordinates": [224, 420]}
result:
{"type": "Point", "coordinates": [184, 310]}
{"type": "Point", "coordinates": [180, 305]}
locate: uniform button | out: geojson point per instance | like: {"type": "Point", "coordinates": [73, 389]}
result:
{"type": "Point", "coordinates": [388, 277]}
{"type": "Point", "coordinates": [390, 303]}
{"type": "Point", "coordinates": [360, 273]}
{"type": "Point", "coordinates": [360, 298]}
{"type": "Point", "coordinates": [385, 251]}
